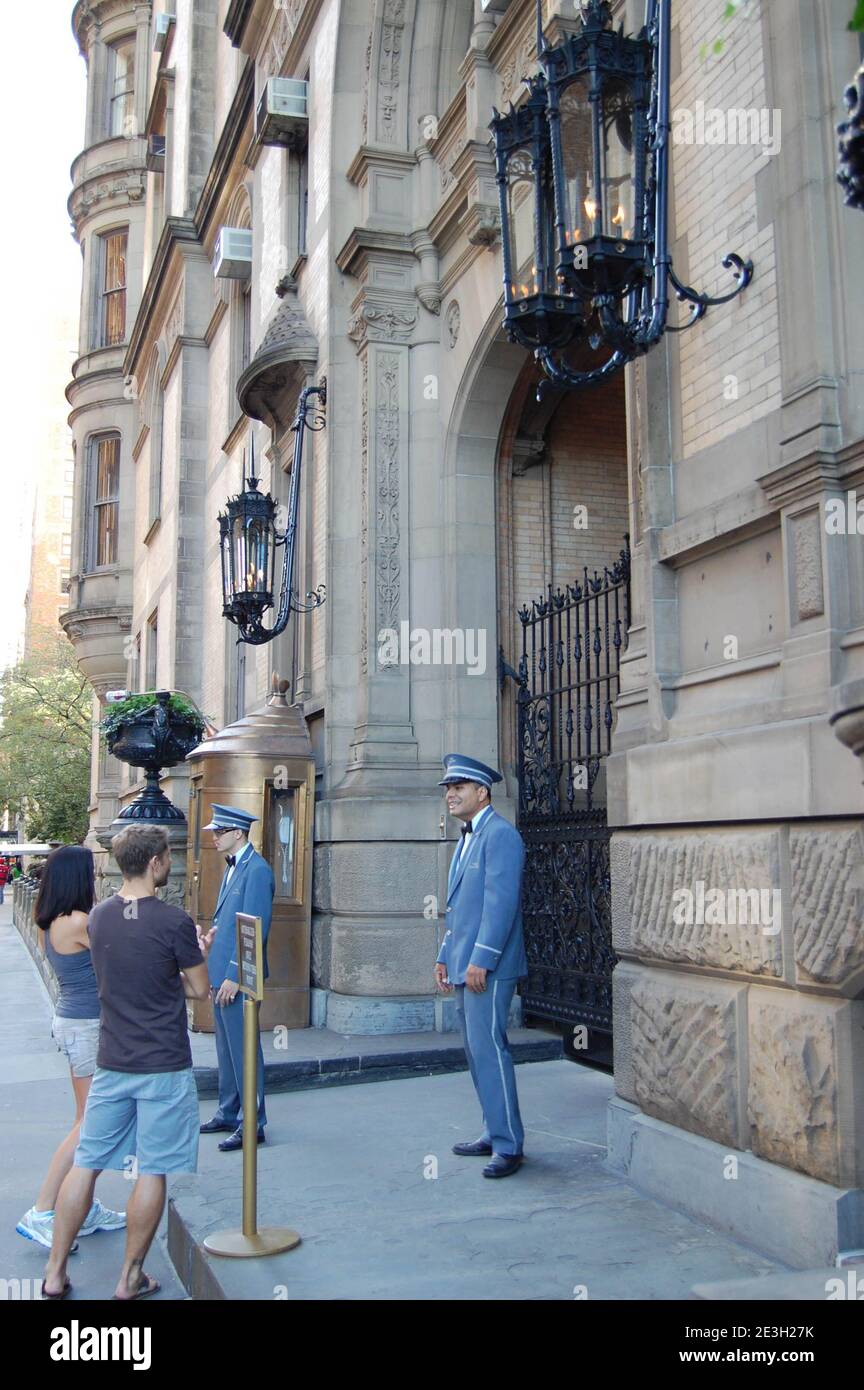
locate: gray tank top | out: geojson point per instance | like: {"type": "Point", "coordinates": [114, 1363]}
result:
{"type": "Point", "coordinates": [79, 997]}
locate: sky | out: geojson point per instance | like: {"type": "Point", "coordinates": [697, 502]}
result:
{"type": "Point", "coordinates": [42, 102]}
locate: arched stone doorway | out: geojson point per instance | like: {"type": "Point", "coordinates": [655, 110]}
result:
{"type": "Point", "coordinates": [564, 608]}
{"type": "Point", "coordinates": [555, 479]}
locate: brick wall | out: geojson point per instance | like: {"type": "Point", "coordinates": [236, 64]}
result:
{"type": "Point", "coordinates": [714, 206]}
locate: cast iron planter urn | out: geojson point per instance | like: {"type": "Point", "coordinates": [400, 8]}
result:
{"type": "Point", "coordinates": [152, 731]}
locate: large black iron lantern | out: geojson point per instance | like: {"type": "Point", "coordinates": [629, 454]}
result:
{"type": "Point", "coordinates": [249, 537]}
{"type": "Point", "coordinates": [582, 168]}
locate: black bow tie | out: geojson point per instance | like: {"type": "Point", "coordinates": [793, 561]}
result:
{"type": "Point", "coordinates": [467, 829]}
{"type": "Point", "coordinates": [231, 860]}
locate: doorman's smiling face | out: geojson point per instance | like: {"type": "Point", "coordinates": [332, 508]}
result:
{"type": "Point", "coordinates": [465, 799]}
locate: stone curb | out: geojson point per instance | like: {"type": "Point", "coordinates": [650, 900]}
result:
{"type": "Point", "coordinates": [306, 1074]}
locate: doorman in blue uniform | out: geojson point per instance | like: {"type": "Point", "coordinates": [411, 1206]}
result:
{"type": "Point", "coordinates": [482, 955]}
{"type": "Point", "coordinates": [247, 886]}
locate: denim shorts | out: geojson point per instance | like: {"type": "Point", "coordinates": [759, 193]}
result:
{"type": "Point", "coordinates": [78, 1040]}
{"type": "Point", "coordinates": [141, 1122]}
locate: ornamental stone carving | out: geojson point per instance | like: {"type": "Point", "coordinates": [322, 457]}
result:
{"type": "Point", "coordinates": [389, 66]}
{"type": "Point", "coordinates": [430, 297]}
{"type": "Point", "coordinates": [827, 867]}
{"type": "Point", "coordinates": [453, 320]}
{"type": "Point", "coordinates": [381, 323]}
{"type": "Point", "coordinates": [387, 568]}
{"type": "Point", "coordinates": [289, 12]}
{"type": "Point", "coordinates": [364, 514]}
{"type": "Point", "coordinates": [685, 1052]}
{"type": "Point", "coordinates": [729, 881]}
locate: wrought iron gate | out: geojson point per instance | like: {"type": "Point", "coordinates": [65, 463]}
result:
{"type": "Point", "coordinates": [567, 686]}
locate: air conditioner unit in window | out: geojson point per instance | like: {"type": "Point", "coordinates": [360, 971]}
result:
{"type": "Point", "coordinates": [282, 117]}
{"type": "Point", "coordinates": [233, 259]}
{"type": "Point", "coordinates": [161, 26]}
{"type": "Point", "coordinates": [156, 154]}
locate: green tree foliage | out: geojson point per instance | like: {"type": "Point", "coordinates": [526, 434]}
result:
{"type": "Point", "coordinates": [45, 742]}
{"type": "Point", "coordinates": [734, 7]}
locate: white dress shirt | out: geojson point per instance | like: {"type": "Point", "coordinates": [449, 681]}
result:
{"type": "Point", "coordinates": [231, 867]}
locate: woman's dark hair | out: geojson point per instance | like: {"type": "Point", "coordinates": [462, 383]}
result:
{"type": "Point", "coordinates": [67, 884]}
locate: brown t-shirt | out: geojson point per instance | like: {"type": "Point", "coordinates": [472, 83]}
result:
{"type": "Point", "coordinates": [138, 947]}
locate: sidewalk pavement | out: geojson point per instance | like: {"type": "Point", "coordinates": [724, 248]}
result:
{"type": "Point", "coordinates": [365, 1173]}
{"type": "Point", "coordinates": [387, 1212]}
{"type": "Point", "coordinates": [36, 1111]}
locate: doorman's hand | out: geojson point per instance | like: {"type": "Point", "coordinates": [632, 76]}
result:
{"type": "Point", "coordinates": [227, 992]}
{"type": "Point", "coordinates": [441, 978]}
{"type": "Point", "coordinates": [475, 979]}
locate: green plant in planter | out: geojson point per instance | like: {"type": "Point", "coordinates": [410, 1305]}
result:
{"type": "Point", "coordinates": [125, 710]}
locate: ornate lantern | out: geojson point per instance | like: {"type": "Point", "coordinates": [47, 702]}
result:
{"type": "Point", "coordinates": [582, 173]}
{"type": "Point", "coordinates": [248, 539]}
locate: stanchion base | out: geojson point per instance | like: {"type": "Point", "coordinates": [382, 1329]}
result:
{"type": "Point", "coordinates": [273, 1240]}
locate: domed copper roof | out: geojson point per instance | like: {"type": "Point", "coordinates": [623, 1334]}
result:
{"type": "Point", "coordinates": [276, 730]}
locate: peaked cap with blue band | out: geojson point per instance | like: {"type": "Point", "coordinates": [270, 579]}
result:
{"type": "Point", "coordinates": [458, 768]}
{"type": "Point", "coordinates": [229, 818]}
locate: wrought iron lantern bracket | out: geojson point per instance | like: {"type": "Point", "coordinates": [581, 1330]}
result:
{"type": "Point", "coordinates": [245, 605]}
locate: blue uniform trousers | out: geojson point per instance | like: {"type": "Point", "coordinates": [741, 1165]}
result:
{"type": "Point", "coordinates": [229, 1054]}
{"type": "Point", "coordinates": [483, 1020]}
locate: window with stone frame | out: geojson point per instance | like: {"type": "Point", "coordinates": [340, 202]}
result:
{"type": "Point", "coordinates": [152, 654]}
{"type": "Point", "coordinates": [155, 416]}
{"type": "Point", "coordinates": [120, 105]}
{"type": "Point", "coordinates": [104, 501]}
{"type": "Point", "coordinates": [110, 325]}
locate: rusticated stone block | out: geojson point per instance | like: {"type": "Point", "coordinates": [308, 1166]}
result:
{"type": "Point", "coordinates": [383, 958]}
{"type": "Point", "coordinates": [320, 950]}
{"type": "Point", "coordinates": [620, 870]}
{"type": "Point", "coordinates": [727, 936]}
{"type": "Point", "coordinates": [624, 977]}
{"type": "Point", "coordinates": [685, 1063]}
{"type": "Point", "coordinates": [793, 1093]}
{"type": "Point", "coordinates": [827, 878]}
{"type": "Point", "coordinates": [381, 877]}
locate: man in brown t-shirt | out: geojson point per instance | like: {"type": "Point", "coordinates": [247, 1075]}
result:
{"type": "Point", "coordinates": [142, 1110]}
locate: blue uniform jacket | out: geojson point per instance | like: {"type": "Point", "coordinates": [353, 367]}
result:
{"type": "Point", "coordinates": [484, 904]}
{"type": "Point", "coordinates": [250, 890]}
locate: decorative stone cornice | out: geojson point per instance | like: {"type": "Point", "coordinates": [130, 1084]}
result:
{"type": "Point", "coordinates": [385, 263]}
{"type": "Point", "coordinates": [117, 180]}
{"type": "Point", "coordinates": [88, 17]}
{"type": "Point", "coordinates": [367, 157]}
{"type": "Point", "coordinates": [364, 243]}
{"type": "Point", "coordinates": [804, 478]}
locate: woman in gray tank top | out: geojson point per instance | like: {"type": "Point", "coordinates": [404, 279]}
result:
{"type": "Point", "coordinates": [66, 894]}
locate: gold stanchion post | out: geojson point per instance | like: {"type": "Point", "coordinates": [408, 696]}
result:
{"type": "Point", "coordinates": [273, 1240]}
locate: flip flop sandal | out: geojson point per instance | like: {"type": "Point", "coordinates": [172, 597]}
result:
{"type": "Point", "coordinates": [144, 1290]}
{"type": "Point", "coordinates": [64, 1292]}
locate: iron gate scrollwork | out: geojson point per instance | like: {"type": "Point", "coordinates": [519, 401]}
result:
{"type": "Point", "coordinates": [568, 680]}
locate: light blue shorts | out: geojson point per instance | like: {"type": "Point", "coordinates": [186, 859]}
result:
{"type": "Point", "coordinates": [141, 1122]}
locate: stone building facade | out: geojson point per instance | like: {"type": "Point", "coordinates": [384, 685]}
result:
{"type": "Point", "coordinates": [440, 495]}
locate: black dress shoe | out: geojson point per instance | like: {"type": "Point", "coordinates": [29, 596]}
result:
{"type": "Point", "coordinates": [502, 1165]}
{"type": "Point", "coordinates": [479, 1149]}
{"type": "Point", "coordinates": [215, 1126]}
{"type": "Point", "coordinates": [236, 1141]}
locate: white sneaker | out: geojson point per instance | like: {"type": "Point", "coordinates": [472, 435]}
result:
{"type": "Point", "coordinates": [101, 1218]}
{"type": "Point", "coordinates": [39, 1226]}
